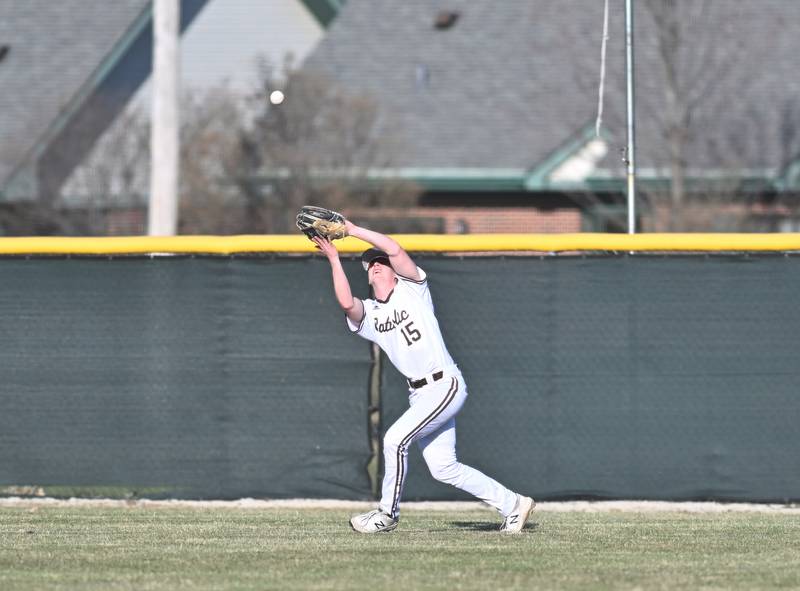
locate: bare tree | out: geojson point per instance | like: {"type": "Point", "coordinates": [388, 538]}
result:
{"type": "Point", "coordinates": [210, 200]}
{"type": "Point", "coordinates": [775, 133]}
{"type": "Point", "coordinates": [114, 175]}
{"type": "Point", "coordinates": [696, 49]}
{"type": "Point", "coordinates": [318, 146]}
{"type": "Point", "coordinates": [246, 166]}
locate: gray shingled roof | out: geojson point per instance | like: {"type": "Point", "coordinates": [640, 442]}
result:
{"type": "Point", "coordinates": [54, 48]}
{"type": "Point", "coordinates": [513, 80]}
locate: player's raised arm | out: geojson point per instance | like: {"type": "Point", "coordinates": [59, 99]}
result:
{"type": "Point", "coordinates": [352, 306]}
{"type": "Point", "coordinates": [398, 257]}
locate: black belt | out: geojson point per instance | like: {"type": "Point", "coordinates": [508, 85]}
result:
{"type": "Point", "coordinates": [424, 382]}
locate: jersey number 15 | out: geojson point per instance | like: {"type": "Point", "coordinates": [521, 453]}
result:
{"type": "Point", "coordinates": [410, 334]}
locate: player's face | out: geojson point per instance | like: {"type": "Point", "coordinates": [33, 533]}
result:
{"type": "Point", "coordinates": [380, 272]}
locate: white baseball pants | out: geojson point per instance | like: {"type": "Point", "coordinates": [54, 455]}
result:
{"type": "Point", "coordinates": [430, 421]}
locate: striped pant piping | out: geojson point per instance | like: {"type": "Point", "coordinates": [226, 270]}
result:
{"type": "Point", "coordinates": [406, 441]}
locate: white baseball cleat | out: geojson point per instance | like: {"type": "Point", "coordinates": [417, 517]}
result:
{"type": "Point", "coordinates": [515, 520]}
{"type": "Point", "coordinates": [373, 522]}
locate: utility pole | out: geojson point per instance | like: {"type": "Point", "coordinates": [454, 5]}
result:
{"type": "Point", "coordinates": [164, 148]}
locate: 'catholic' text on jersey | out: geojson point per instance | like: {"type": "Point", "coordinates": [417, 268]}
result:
{"type": "Point", "coordinates": [405, 327]}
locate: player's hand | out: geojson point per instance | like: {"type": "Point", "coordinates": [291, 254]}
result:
{"type": "Point", "coordinates": [326, 246]}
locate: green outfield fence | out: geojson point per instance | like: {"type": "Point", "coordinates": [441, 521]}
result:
{"type": "Point", "coordinates": [647, 367]}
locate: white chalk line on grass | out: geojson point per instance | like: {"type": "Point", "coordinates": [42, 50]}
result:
{"type": "Point", "coordinates": [547, 506]}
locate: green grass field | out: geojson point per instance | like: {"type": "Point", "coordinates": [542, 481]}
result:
{"type": "Point", "coordinates": [225, 548]}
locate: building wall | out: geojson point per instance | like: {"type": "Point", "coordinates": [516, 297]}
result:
{"type": "Point", "coordinates": [482, 220]}
{"type": "Point", "coordinates": [447, 220]}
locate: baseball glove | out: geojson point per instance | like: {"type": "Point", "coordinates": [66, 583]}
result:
{"type": "Point", "coordinates": [318, 221]}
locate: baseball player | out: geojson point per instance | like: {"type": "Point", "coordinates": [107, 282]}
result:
{"type": "Point", "coordinates": [401, 320]}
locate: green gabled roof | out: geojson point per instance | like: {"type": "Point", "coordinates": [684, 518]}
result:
{"type": "Point", "coordinates": [538, 178]}
{"type": "Point", "coordinates": [491, 180]}
{"type": "Point", "coordinates": [517, 180]}
{"type": "Point", "coordinates": [324, 10]}
{"type": "Point", "coordinates": [790, 179]}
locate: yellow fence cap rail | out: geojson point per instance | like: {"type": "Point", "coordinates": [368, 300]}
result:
{"type": "Point", "coordinates": [226, 245]}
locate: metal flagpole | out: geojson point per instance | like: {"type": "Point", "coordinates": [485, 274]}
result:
{"type": "Point", "coordinates": [630, 157]}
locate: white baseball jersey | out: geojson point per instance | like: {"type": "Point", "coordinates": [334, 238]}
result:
{"type": "Point", "coordinates": [405, 327]}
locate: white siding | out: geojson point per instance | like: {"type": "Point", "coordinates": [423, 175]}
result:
{"type": "Point", "coordinates": [228, 35]}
